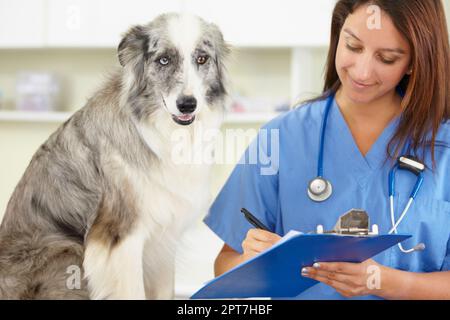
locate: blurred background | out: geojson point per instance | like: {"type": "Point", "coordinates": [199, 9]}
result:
{"type": "Point", "coordinates": [54, 54]}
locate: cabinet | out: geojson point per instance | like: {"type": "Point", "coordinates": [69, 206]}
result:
{"type": "Point", "coordinates": [98, 23]}
{"type": "Point", "coordinates": [22, 23]}
{"type": "Point", "coordinates": [268, 23]}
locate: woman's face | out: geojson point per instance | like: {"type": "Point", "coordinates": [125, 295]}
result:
{"type": "Point", "coordinates": [370, 62]}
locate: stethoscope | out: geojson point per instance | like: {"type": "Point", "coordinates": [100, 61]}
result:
{"type": "Point", "coordinates": [320, 189]}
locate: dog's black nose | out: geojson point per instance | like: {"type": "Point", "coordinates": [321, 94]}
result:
{"type": "Point", "coordinates": [186, 104]}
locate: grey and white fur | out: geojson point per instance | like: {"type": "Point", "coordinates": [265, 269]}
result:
{"type": "Point", "coordinates": [103, 192]}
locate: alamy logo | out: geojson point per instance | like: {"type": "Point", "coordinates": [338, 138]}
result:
{"type": "Point", "coordinates": [374, 278]}
{"type": "Point", "coordinates": [374, 20]}
{"type": "Point", "coordinates": [73, 281]}
{"type": "Point", "coordinates": [212, 146]}
{"type": "Point", "coordinates": [73, 21]}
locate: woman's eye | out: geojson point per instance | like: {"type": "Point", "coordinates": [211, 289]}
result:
{"type": "Point", "coordinates": [354, 49]}
{"type": "Point", "coordinates": [387, 61]}
{"type": "Point", "coordinates": [202, 60]}
{"type": "Point", "coordinates": [164, 61]}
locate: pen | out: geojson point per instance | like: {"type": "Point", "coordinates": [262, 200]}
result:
{"type": "Point", "coordinates": [252, 219]}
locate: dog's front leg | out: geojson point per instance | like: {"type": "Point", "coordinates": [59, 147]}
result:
{"type": "Point", "coordinates": [114, 247]}
{"type": "Point", "coordinates": [115, 272]}
{"type": "Point", "coordinates": [159, 271]}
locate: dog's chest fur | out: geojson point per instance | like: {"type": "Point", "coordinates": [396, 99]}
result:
{"type": "Point", "coordinates": [174, 191]}
{"type": "Point", "coordinates": [167, 196]}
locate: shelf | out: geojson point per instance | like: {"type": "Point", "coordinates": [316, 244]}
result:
{"type": "Point", "coordinates": [59, 117]}
{"type": "Point", "coordinates": [34, 116]}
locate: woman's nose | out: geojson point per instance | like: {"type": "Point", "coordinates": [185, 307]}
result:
{"type": "Point", "coordinates": [363, 69]}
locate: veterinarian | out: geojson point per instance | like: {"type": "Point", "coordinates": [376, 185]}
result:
{"type": "Point", "coordinates": [378, 138]}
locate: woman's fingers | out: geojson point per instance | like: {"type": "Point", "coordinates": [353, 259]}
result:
{"type": "Point", "coordinates": [258, 241]}
{"type": "Point", "coordinates": [349, 279]}
{"type": "Point", "coordinates": [342, 288]}
{"type": "Point", "coordinates": [340, 267]}
{"type": "Point", "coordinates": [263, 235]}
{"type": "Point", "coordinates": [317, 274]}
{"type": "Point", "coordinates": [256, 245]}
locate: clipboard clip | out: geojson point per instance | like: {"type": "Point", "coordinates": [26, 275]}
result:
{"type": "Point", "coordinates": [354, 222]}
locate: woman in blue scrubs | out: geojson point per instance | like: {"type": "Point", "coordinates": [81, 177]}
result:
{"type": "Point", "coordinates": [388, 83]}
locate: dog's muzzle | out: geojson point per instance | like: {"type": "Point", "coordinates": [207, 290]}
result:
{"type": "Point", "coordinates": [186, 105]}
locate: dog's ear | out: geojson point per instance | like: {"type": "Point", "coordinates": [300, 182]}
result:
{"type": "Point", "coordinates": [223, 50]}
{"type": "Point", "coordinates": [134, 45]}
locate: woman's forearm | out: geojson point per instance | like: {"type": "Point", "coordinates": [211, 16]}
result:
{"type": "Point", "coordinates": [403, 285]}
{"type": "Point", "coordinates": [225, 261]}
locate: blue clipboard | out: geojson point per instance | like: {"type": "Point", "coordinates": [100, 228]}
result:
{"type": "Point", "coordinates": [276, 272]}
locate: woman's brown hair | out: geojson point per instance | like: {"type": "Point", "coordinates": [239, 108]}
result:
{"type": "Point", "coordinates": [426, 101]}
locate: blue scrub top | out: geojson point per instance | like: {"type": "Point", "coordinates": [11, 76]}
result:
{"type": "Point", "coordinates": [276, 191]}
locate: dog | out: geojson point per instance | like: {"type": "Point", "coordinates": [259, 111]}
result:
{"type": "Point", "coordinates": [103, 198]}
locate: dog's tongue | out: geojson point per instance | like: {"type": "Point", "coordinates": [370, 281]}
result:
{"type": "Point", "coordinates": [185, 117]}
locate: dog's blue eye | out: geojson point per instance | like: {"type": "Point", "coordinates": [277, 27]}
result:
{"type": "Point", "coordinates": [164, 61]}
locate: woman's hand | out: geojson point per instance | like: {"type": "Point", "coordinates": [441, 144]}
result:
{"type": "Point", "coordinates": [257, 241]}
{"type": "Point", "coordinates": [349, 279]}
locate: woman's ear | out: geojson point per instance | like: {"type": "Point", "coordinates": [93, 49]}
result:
{"type": "Point", "coordinates": [410, 70]}
{"type": "Point", "coordinates": [134, 46]}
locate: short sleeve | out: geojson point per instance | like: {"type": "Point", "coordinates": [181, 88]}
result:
{"type": "Point", "coordinates": [253, 184]}
{"type": "Point", "coordinates": [446, 264]}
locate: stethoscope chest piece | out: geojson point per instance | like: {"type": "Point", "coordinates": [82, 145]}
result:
{"type": "Point", "coordinates": [319, 189]}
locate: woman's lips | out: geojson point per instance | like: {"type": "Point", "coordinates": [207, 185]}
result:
{"type": "Point", "coordinates": [360, 85]}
